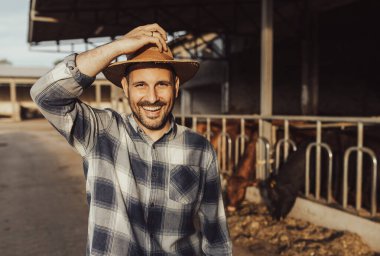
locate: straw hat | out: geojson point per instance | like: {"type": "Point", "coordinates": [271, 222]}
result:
{"type": "Point", "coordinates": [184, 69]}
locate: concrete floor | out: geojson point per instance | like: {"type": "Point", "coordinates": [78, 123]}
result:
{"type": "Point", "coordinates": [42, 193]}
{"type": "Point", "coordinates": [43, 206]}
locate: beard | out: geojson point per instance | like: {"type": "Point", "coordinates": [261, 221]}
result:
{"type": "Point", "coordinates": [151, 123]}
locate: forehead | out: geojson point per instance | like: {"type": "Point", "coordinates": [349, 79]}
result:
{"type": "Point", "coordinates": [139, 69]}
{"type": "Point", "coordinates": [150, 73]}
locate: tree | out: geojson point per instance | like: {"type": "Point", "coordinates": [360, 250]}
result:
{"type": "Point", "coordinates": [5, 62]}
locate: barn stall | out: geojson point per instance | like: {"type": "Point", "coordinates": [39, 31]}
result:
{"type": "Point", "coordinates": [339, 185]}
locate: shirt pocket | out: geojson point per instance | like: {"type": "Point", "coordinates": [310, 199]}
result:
{"type": "Point", "coordinates": [184, 183]}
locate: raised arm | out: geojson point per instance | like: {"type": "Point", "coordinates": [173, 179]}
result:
{"type": "Point", "coordinates": [95, 60]}
{"type": "Point", "coordinates": [57, 92]}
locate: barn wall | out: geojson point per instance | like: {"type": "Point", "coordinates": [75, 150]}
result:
{"type": "Point", "coordinates": [245, 83]}
{"type": "Point", "coordinates": [348, 59]}
{"type": "Point", "coordinates": [206, 98]}
{"type": "Point", "coordinates": [245, 89]}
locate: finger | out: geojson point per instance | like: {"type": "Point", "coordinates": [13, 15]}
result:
{"type": "Point", "coordinates": [154, 40]}
{"type": "Point", "coordinates": [135, 31]}
{"type": "Point", "coordinates": [147, 30]}
{"type": "Point", "coordinates": [158, 36]}
{"type": "Point", "coordinates": [158, 28]}
{"type": "Point", "coordinates": [162, 40]}
{"type": "Point", "coordinates": [162, 33]}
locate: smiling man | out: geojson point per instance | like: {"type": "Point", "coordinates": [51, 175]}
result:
{"type": "Point", "coordinates": [152, 186]}
{"type": "Point", "coordinates": [151, 90]}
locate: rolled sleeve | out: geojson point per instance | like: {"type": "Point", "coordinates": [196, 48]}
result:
{"type": "Point", "coordinates": [82, 79]}
{"type": "Point", "coordinates": [56, 94]}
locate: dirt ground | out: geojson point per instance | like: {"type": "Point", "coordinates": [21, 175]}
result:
{"type": "Point", "coordinates": [253, 228]}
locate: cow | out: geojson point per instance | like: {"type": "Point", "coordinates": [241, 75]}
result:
{"type": "Point", "coordinates": [279, 191]}
{"type": "Point", "coordinates": [279, 197]}
{"type": "Point", "coordinates": [243, 176]}
{"type": "Point", "coordinates": [244, 173]}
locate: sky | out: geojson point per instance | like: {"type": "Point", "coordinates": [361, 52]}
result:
{"type": "Point", "coordinates": [13, 37]}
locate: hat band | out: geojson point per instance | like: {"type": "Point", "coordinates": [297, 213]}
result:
{"type": "Point", "coordinates": [150, 56]}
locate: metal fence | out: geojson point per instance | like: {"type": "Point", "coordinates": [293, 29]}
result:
{"type": "Point", "coordinates": [270, 149]}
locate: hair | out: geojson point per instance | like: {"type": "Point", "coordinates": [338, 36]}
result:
{"type": "Point", "coordinates": [141, 65]}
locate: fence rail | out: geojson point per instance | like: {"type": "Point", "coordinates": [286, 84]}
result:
{"type": "Point", "coordinates": [268, 147]}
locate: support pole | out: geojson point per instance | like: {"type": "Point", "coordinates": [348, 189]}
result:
{"type": "Point", "coordinates": [185, 102]}
{"type": "Point", "coordinates": [310, 64]}
{"type": "Point", "coordinates": [266, 58]}
{"type": "Point", "coordinates": [314, 72]}
{"type": "Point", "coordinates": [225, 96]}
{"type": "Point", "coordinates": [266, 71]}
{"type": "Point", "coordinates": [225, 90]}
{"type": "Point", "coordinates": [306, 60]}
{"type": "Point", "coordinates": [13, 97]}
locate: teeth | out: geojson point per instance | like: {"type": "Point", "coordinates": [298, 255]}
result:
{"type": "Point", "coordinates": [151, 108]}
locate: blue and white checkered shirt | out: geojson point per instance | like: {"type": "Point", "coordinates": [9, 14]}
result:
{"type": "Point", "coordinates": [145, 197]}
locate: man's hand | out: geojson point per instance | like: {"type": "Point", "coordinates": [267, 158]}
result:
{"type": "Point", "coordinates": [140, 36]}
{"type": "Point", "coordinates": [95, 60]}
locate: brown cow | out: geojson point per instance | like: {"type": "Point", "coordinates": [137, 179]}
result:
{"type": "Point", "coordinates": [245, 171]}
{"type": "Point", "coordinates": [243, 176]}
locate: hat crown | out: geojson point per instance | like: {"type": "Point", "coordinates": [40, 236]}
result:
{"type": "Point", "coordinates": [151, 52]}
{"type": "Point", "coordinates": [184, 69]}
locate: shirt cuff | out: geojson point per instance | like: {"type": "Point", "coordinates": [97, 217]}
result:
{"type": "Point", "coordinates": [82, 79]}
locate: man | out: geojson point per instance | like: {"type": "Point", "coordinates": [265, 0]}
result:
{"type": "Point", "coordinates": [153, 186]}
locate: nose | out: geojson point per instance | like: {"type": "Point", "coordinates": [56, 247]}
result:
{"type": "Point", "coordinates": [152, 95]}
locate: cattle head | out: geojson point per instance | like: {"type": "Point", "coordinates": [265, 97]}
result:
{"type": "Point", "coordinates": [279, 199]}
{"type": "Point", "coordinates": [236, 188]}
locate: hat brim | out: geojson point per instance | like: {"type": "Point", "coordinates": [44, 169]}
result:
{"type": "Point", "coordinates": [185, 69]}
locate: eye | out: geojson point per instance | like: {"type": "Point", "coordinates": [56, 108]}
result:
{"type": "Point", "coordinates": [139, 84]}
{"type": "Point", "coordinates": [163, 83]}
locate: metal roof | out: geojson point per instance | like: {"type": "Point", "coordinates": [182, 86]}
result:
{"type": "Point", "coordinates": [70, 19]}
{"type": "Point", "coordinates": [55, 20]}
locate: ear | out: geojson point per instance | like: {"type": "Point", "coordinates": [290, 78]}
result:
{"type": "Point", "coordinates": [176, 86]}
{"type": "Point", "coordinates": [124, 83]}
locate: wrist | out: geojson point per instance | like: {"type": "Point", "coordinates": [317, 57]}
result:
{"type": "Point", "coordinates": [116, 48]}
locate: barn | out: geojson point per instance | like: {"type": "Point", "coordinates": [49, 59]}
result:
{"type": "Point", "coordinates": [282, 68]}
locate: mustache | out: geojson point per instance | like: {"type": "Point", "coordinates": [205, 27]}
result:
{"type": "Point", "coordinates": [150, 104]}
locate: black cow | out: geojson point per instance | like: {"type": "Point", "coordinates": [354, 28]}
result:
{"type": "Point", "coordinates": [279, 191]}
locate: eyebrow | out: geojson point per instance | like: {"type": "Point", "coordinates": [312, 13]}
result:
{"type": "Point", "coordinates": [158, 82]}
{"type": "Point", "coordinates": [165, 82]}
{"type": "Point", "coordinates": [138, 82]}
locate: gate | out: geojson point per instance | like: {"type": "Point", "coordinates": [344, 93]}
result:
{"type": "Point", "coordinates": [231, 148]}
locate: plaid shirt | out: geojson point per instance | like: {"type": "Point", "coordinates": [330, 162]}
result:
{"type": "Point", "coordinates": [145, 197]}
